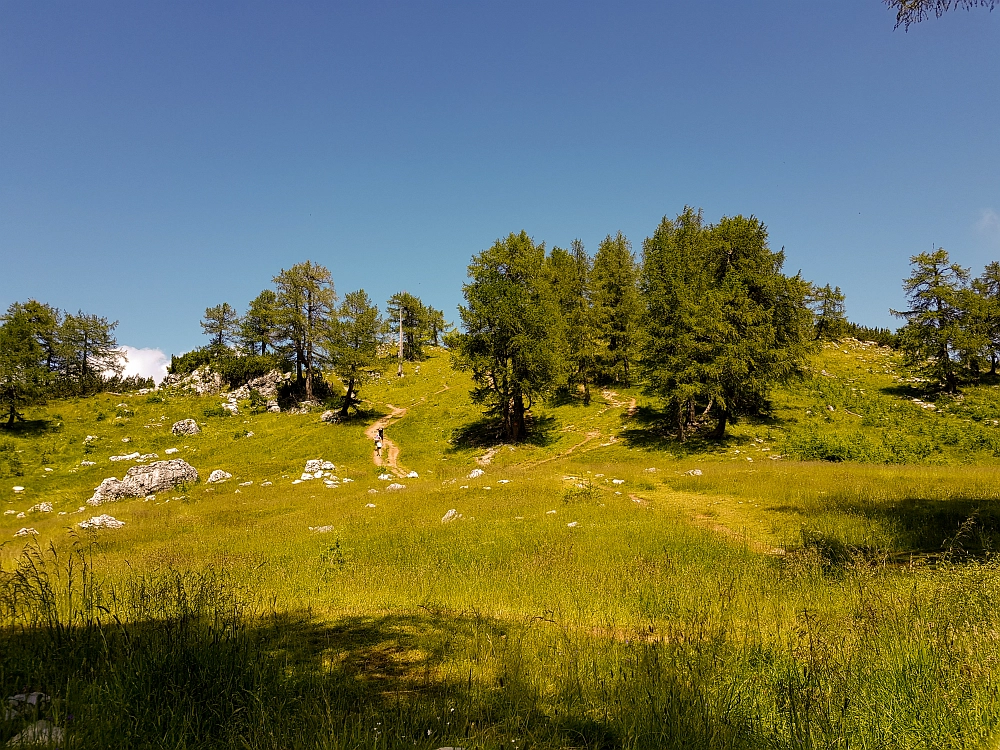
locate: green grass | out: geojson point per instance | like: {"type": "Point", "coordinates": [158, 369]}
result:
{"type": "Point", "coordinates": [764, 603]}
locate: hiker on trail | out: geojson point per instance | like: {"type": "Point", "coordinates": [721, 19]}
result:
{"type": "Point", "coordinates": [378, 445]}
{"type": "Point", "coordinates": [381, 437]}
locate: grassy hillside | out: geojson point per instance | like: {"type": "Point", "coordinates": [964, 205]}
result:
{"type": "Point", "coordinates": [604, 586]}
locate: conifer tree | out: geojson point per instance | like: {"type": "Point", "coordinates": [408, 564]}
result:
{"type": "Point", "coordinates": [616, 309]}
{"type": "Point", "coordinates": [221, 325]}
{"type": "Point", "coordinates": [258, 328]}
{"type": "Point", "coordinates": [23, 373]}
{"type": "Point", "coordinates": [509, 321]}
{"type": "Point", "coordinates": [88, 350]}
{"type": "Point", "coordinates": [829, 318]}
{"type": "Point", "coordinates": [987, 287]}
{"type": "Point", "coordinates": [723, 323]}
{"type": "Point", "coordinates": [933, 336]}
{"type": "Point", "coordinates": [304, 306]}
{"type": "Point", "coordinates": [417, 324]}
{"type": "Point", "coordinates": [570, 278]}
{"type": "Point", "coordinates": [352, 345]}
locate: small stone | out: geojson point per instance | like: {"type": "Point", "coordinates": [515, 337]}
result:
{"type": "Point", "coordinates": [412, 475]}
{"type": "Point", "coordinates": [245, 484]}
{"type": "Point", "coordinates": [476, 473]}
{"type": "Point", "coordinates": [617, 481]}
{"type": "Point", "coordinates": [572, 524]}
{"type": "Point", "coordinates": [102, 522]}
{"type": "Point", "coordinates": [218, 476]}
{"type": "Point", "coordinates": [170, 451]}
{"type": "Point", "coordinates": [88, 463]}
{"type": "Point", "coordinates": [451, 515]}
{"type": "Point", "coordinates": [370, 505]}
{"type": "Point", "coordinates": [266, 484]}
{"type": "Point", "coordinates": [18, 488]}
{"type": "Point", "coordinates": [396, 486]}
{"type": "Point", "coordinates": [26, 532]}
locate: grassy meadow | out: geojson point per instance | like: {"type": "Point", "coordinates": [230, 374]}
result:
{"type": "Point", "coordinates": [824, 578]}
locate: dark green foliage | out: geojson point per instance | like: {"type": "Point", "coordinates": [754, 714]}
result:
{"type": "Point", "coordinates": [881, 336]}
{"type": "Point", "coordinates": [238, 370]}
{"type": "Point", "coordinates": [421, 324]}
{"type": "Point", "coordinates": [510, 340]}
{"type": "Point", "coordinates": [352, 345]}
{"type": "Point", "coordinates": [570, 276]}
{"type": "Point", "coordinates": [617, 309]}
{"type": "Point", "coordinates": [723, 324]}
{"type": "Point", "coordinates": [216, 411]}
{"type": "Point", "coordinates": [190, 361]}
{"type": "Point", "coordinates": [258, 329]}
{"type": "Point", "coordinates": [935, 335]}
{"type": "Point", "coordinates": [303, 309]}
{"type": "Point", "coordinates": [23, 375]}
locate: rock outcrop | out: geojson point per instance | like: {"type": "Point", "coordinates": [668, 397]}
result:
{"type": "Point", "coordinates": [219, 476]}
{"type": "Point", "coordinates": [203, 381]}
{"type": "Point", "coordinates": [140, 481]}
{"type": "Point", "coordinates": [185, 427]}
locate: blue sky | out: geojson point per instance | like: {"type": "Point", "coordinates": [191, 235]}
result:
{"type": "Point", "coordinates": [160, 157]}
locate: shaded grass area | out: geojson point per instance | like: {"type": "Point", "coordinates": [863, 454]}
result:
{"type": "Point", "coordinates": [193, 659]}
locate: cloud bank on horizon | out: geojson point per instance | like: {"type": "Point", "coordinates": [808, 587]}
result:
{"type": "Point", "coordinates": [146, 363]}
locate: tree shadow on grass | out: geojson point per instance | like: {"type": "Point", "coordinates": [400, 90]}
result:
{"type": "Point", "coordinates": [651, 430]}
{"type": "Point", "coordinates": [28, 427]}
{"type": "Point", "coordinates": [442, 678]}
{"type": "Point", "coordinates": [488, 433]}
{"type": "Point", "coordinates": [958, 527]}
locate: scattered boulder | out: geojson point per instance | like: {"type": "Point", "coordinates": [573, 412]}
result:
{"type": "Point", "coordinates": [26, 532]}
{"type": "Point", "coordinates": [476, 473]}
{"type": "Point", "coordinates": [185, 427]}
{"type": "Point", "coordinates": [140, 481]}
{"type": "Point", "coordinates": [103, 521]}
{"type": "Point", "coordinates": [272, 406]}
{"type": "Point", "coordinates": [266, 385]}
{"type": "Point", "coordinates": [451, 515]}
{"type": "Point", "coordinates": [693, 472]}
{"type": "Point", "coordinates": [126, 457]}
{"type": "Point", "coordinates": [413, 475]}
{"type": "Point", "coordinates": [231, 407]}
{"type": "Point", "coordinates": [218, 476]}
{"type": "Point", "coordinates": [313, 465]}
{"type": "Point", "coordinates": [328, 416]}
{"type": "Point", "coordinates": [396, 486]}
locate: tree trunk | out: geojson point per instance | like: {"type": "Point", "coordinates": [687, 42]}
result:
{"type": "Point", "coordinates": [680, 422]}
{"type": "Point", "coordinates": [993, 364]}
{"type": "Point", "coordinates": [720, 428]}
{"type": "Point", "coordinates": [348, 399]}
{"type": "Point", "coordinates": [586, 390]}
{"type": "Point", "coordinates": [517, 418]}
{"type": "Point", "coordinates": [10, 417]}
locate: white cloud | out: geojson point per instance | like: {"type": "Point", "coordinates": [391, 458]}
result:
{"type": "Point", "coordinates": [147, 363]}
{"type": "Point", "coordinates": [989, 224]}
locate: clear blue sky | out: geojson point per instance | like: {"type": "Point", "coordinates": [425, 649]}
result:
{"type": "Point", "coordinates": [160, 157]}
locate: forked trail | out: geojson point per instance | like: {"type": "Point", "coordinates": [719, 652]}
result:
{"type": "Point", "coordinates": [390, 451]}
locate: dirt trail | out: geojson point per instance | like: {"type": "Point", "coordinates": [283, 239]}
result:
{"type": "Point", "coordinates": [390, 451]}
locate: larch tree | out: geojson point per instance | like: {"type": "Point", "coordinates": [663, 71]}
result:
{"type": "Point", "coordinates": [914, 11]}
{"type": "Point", "coordinates": [352, 345]}
{"type": "Point", "coordinates": [221, 325]}
{"type": "Point", "coordinates": [23, 372]}
{"type": "Point", "coordinates": [616, 309]}
{"type": "Point", "coordinates": [933, 336]}
{"type": "Point", "coordinates": [508, 320]}
{"type": "Point", "coordinates": [258, 327]}
{"type": "Point", "coordinates": [829, 316]}
{"type": "Point", "coordinates": [416, 322]}
{"type": "Point", "coordinates": [304, 306]}
{"type": "Point", "coordinates": [723, 324]}
{"type": "Point", "coordinates": [88, 350]}
{"type": "Point", "coordinates": [569, 275]}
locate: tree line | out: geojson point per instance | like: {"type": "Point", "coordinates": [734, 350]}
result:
{"type": "Point", "coordinates": [704, 320]}
{"type": "Point", "coordinates": [301, 325]}
{"type": "Point", "coordinates": [45, 351]}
